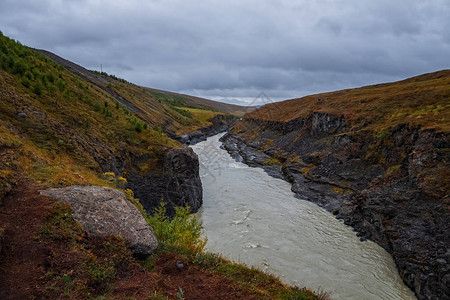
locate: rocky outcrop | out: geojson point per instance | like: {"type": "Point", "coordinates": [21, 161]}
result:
{"type": "Point", "coordinates": [390, 186]}
{"type": "Point", "coordinates": [184, 186]}
{"type": "Point", "coordinates": [220, 123]}
{"type": "Point", "coordinates": [176, 184]}
{"type": "Point", "coordinates": [105, 211]}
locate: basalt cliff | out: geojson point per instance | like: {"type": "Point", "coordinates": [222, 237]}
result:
{"type": "Point", "coordinates": [376, 157]}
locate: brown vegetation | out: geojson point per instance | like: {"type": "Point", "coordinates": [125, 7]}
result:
{"type": "Point", "coordinates": [419, 101]}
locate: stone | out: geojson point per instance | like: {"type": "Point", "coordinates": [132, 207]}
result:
{"type": "Point", "coordinates": [22, 115]}
{"type": "Point", "coordinates": [104, 211]}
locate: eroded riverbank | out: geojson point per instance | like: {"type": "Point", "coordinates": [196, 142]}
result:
{"type": "Point", "coordinates": [255, 219]}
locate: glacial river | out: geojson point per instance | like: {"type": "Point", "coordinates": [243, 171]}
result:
{"type": "Point", "coordinates": [255, 219]}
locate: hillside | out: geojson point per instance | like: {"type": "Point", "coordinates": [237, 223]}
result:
{"type": "Point", "coordinates": [171, 111]}
{"type": "Point", "coordinates": [421, 100]}
{"type": "Point", "coordinates": [63, 125]}
{"type": "Point", "coordinates": [375, 156]}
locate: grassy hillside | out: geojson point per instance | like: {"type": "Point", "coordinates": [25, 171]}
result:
{"type": "Point", "coordinates": [61, 126]}
{"type": "Point", "coordinates": [421, 100]}
{"type": "Point", "coordinates": [158, 108]}
{"type": "Point", "coordinates": [55, 126]}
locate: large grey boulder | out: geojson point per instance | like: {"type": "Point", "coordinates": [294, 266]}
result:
{"type": "Point", "coordinates": [105, 211]}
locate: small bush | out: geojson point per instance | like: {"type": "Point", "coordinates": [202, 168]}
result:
{"type": "Point", "coordinates": [60, 85]}
{"type": "Point", "coordinates": [100, 273]}
{"type": "Point", "coordinates": [25, 82]}
{"type": "Point", "coordinates": [138, 124]}
{"type": "Point", "coordinates": [20, 67]}
{"type": "Point", "coordinates": [37, 88]}
{"type": "Point", "coordinates": [183, 231]}
{"type": "Point", "coordinates": [207, 260]}
{"type": "Point", "coordinates": [97, 107]}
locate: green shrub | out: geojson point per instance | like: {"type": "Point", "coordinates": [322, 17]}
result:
{"type": "Point", "coordinates": [181, 111]}
{"type": "Point", "coordinates": [19, 67]}
{"type": "Point", "coordinates": [37, 88]}
{"type": "Point", "coordinates": [25, 82]}
{"type": "Point", "coordinates": [183, 231]}
{"type": "Point", "coordinates": [97, 107]}
{"type": "Point", "coordinates": [208, 260]}
{"type": "Point", "coordinates": [137, 124]}
{"type": "Point", "coordinates": [100, 273]}
{"type": "Point", "coordinates": [61, 85]}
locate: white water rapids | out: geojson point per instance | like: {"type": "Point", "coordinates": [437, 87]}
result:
{"type": "Point", "coordinates": [253, 218]}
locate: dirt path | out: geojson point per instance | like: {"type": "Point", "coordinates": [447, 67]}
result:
{"type": "Point", "coordinates": [21, 253]}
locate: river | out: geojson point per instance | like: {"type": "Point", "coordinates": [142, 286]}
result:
{"type": "Point", "coordinates": [255, 219]}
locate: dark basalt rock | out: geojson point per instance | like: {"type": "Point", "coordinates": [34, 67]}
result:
{"type": "Point", "coordinates": [386, 188]}
{"type": "Point", "coordinates": [220, 123]}
{"type": "Point", "coordinates": [177, 183]}
{"type": "Point", "coordinates": [184, 186]}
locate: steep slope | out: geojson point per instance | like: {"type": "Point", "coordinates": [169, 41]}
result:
{"type": "Point", "coordinates": [168, 110]}
{"type": "Point", "coordinates": [376, 156]}
{"type": "Point", "coordinates": [60, 130]}
{"type": "Point", "coordinates": [62, 124]}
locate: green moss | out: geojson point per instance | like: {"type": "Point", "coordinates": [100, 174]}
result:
{"type": "Point", "coordinates": [271, 162]}
{"type": "Point", "coordinates": [393, 169]}
{"type": "Point", "coordinates": [59, 225]}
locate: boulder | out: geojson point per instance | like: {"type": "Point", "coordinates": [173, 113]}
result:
{"type": "Point", "coordinates": [105, 211]}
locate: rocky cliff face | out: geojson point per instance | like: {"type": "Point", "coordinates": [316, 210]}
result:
{"type": "Point", "coordinates": [220, 123]}
{"type": "Point", "coordinates": [177, 182]}
{"type": "Point", "coordinates": [183, 186]}
{"type": "Point", "coordinates": [391, 186]}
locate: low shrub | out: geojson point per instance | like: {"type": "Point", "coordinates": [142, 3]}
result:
{"type": "Point", "coordinates": [183, 231]}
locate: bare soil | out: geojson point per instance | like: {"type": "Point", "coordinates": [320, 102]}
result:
{"type": "Point", "coordinates": [28, 264]}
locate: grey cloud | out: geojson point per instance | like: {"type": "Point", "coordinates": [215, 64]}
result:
{"type": "Point", "coordinates": [232, 50]}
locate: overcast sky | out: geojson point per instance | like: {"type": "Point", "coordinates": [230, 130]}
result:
{"type": "Point", "coordinates": [235, 49]}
